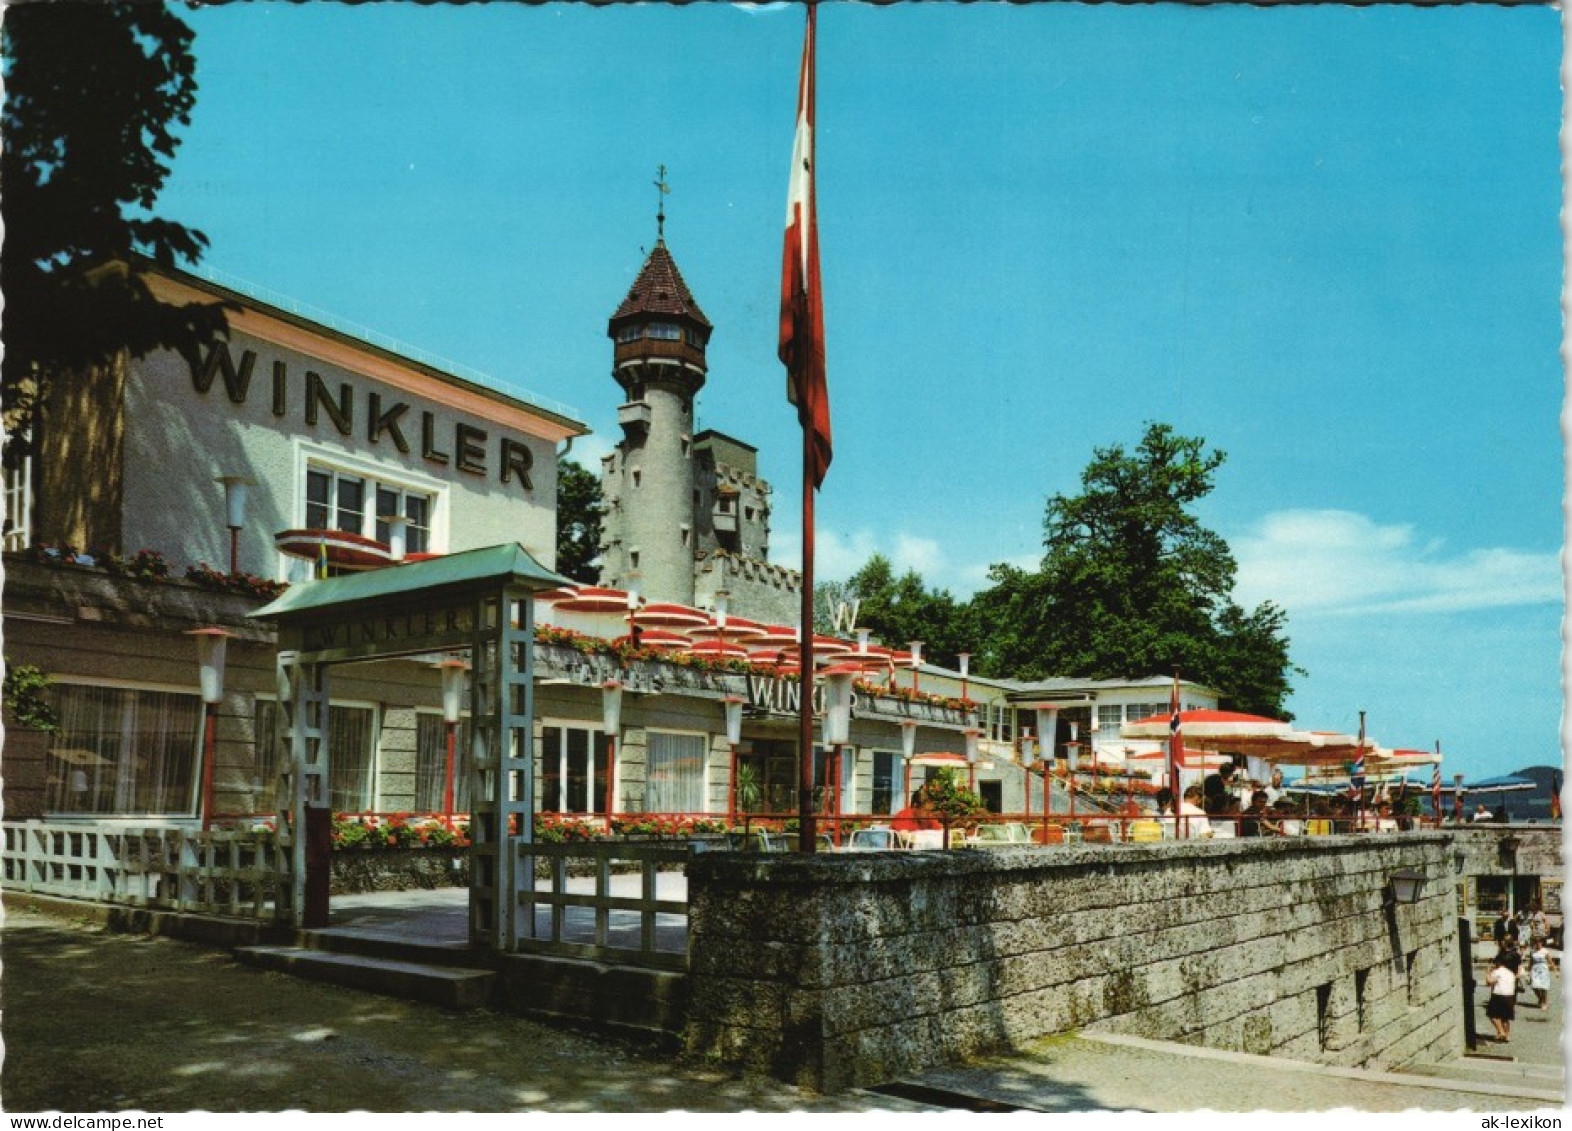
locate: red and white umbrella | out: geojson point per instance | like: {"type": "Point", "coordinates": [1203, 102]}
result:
{"type": "Point", "coordinates": [736, 630]}
{"type": "Point", "coordinates": [658, 638]}
{"type": "Point", "coordinates": [666, 615]}
{"type": "Point", "coordinates": [717, 650]}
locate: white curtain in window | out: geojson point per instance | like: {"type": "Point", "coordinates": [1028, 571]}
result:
{"type": "Point", "coordinates": [121, 750]}
{"type": "Point", "coordinates": [351, 747]}
{"type": "Point", "coordinates": [431, 764]}
{"type": "Point", "coordinates": [674, 773]}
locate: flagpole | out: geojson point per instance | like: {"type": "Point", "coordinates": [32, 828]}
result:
{"type": "Point", "coordinates": [806, 825]}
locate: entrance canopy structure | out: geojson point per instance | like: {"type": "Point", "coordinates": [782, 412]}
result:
{"type": "Point", "coordinates": [477, 602]}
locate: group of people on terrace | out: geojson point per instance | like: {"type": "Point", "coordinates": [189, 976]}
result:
{"type": "Point", "coordinates": [1224, 804]}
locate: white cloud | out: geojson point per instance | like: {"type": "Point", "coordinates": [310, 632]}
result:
{"type": "Point", "coordinates": [1339, 562]}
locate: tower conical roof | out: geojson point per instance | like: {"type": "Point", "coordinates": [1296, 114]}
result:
{"type": "Point", "coordinates": [659, 289]}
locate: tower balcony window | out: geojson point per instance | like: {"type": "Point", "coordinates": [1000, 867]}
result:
{"type": "Point", "coordinates": [664, 331]}
{"type": "Point", "coordinates": [630, 333]}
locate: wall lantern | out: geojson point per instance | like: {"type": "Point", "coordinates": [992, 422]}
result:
{"type": "Point", "coordinates": [908, 752]}
{"type": "Point", "coordinates": [973, 741]}
{"type": "Point", "coordinates": [1028, 747]}
{"type": "Point", "coordinates": [966, 667]}
{"type": "Point", "coordinates": [1405, 886]}
{"type": "Point", "coordinates": [212, 647]}
{"type": "Point", "coordinates": [611, 707]}
{"type": "Point", "coordinates": [838, 704]}
{"type": "Point", "coordinates": [453, 672]}
{"type": "Point", "coordinates": [235, 512]}
{"type": "Point", "coordinates": [733, 705]}
{"type": "Point", "coordinates": [1047, 731]}
{"type": "Point", "coordinates": [611, 723]}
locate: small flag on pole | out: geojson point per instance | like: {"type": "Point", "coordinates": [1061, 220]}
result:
{"type": "Point", "coordinates": [802, 300]}
{"type": "Point", "coordinates": [1435, 786]}
{"type": "Point", "coordinates": [1175, 738]}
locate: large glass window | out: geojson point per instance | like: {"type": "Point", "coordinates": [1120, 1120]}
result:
{"type": "Point", "coordinates": [674, 773]}
{"type": "Point", "coordinates": [884, 787]}
{"type": "Point", "coordinates": [574, 771]}
{"type": "Point", "coordinates": [123, 750]}
{"type": "Point", "coordinates": [412, 505]}
{"type": "Point", "coordinates": [341, 500]}
{"type": "Point", "coordinates": [431, 764]}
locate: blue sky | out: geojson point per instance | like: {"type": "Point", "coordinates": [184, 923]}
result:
{"type": "Point", "coordinates": [1324, 238]}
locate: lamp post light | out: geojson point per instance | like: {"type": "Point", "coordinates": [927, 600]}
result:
{"type": "Point", "coordinates": [1028, 750]}
{"type": "Point", "coordinates": [1404, 886]}
{"type": "Point", "coordinates": [1069, 751]}
{"type": "Point", "coordinates": [908, 752]}
{"type": "Point", "coordinates": [611, 723]}
{"type": "Point", "coordinates": [453, 672]}
{"type": "Point", "coordinates": [966, 666]}
{"type": "Point", "coordinates": [916, 651]}
{"type": "Point", "coordinates": [973, 738]}
{"type": "Point", "coordinates": [235, 512]}
{"type": "Point", "coordinates": [733, 707]}
{"type": "Point", "coordinates": [837, 725]}
{"type": "Point", "coordinates": [212, 646]}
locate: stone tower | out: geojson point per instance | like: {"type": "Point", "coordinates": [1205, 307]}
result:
{"type": "Point", "coordinates": [659, 335]}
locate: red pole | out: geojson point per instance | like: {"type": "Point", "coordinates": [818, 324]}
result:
{"type": "Point", "coordinates": [447, 793]}
{"type": "Point", "coordinates": [234, 549]}
{"type": "Point", "coordinates": [611, 773]}
{"type": "Point", "coordinates": [806, 826]}
{"type": "Point", "coordinates": [210, 710]}
{"type": "Point", "coordinates": [731, 790]}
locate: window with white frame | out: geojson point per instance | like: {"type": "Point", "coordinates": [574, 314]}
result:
{"type": "Point", "coordinates": [1136, 711]}
{"type": "Point", "coordinates": [355, 502]}
{"type": "Point", "coordinates": [352, 746]}
{"type": "Point", "coordinates": [123, 750]}
{"type": "Point", "coordinates": [574, 771]}
{"type": "Point", "coordinates": [18, 472]}
{"type": "Point", "coordinates": [674, 772]}
{"type": "Point", "coordinates": [1109, 719]}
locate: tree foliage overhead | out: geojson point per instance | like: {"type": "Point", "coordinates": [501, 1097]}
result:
{"type": "Point", "coordinates": [1133, 585]}
{"type": "Point", "coordinates": [93, 95]}
{"type": "Point", "coordinates": [899, 610]}
{"type": "Point", "coordinates": [579, 502]}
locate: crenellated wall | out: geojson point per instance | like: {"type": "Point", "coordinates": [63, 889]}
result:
{"type": "Point", "coordinates": [842, 971]}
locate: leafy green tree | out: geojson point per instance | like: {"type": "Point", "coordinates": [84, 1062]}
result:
{"type": "Point", "coordinates": [899, 610]}
{"type": "Point", "coordinates": [579, 503]}
{"type": "Point", "coordinates": [93, 95]}
{"type": "Point", "coordinates": [1133, 585]}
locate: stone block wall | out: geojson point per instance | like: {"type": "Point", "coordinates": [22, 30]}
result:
{"type": "Point", "coordinates": [841, 971]}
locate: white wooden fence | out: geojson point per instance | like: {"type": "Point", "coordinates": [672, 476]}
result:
{"type": "Point", "coordinates": [219, 872]}
{"type": "Point", "coordinates": [609, 901]}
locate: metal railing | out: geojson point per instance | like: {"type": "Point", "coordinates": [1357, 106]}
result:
{"type": "Point", "coordinates": [625, 902]}
{"type": "Point", "coordinates": [220, 872]}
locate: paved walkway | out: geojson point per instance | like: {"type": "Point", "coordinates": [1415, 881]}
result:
{"type": "Point", "coordinates": [237, 1039]}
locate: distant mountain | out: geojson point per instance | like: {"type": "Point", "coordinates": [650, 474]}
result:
{"type": "Point", "coordinates": [1530, 805]}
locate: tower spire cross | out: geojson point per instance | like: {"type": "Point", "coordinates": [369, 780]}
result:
{"type": "Point", "coordinates": [662, 190]}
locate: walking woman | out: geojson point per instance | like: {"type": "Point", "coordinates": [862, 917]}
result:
{"type": "Point", "coordinates": [1539, 966]}
{"type": "Point", "coordinates": [1503, 998]}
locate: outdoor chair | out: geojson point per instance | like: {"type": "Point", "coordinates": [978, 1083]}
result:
{"type": "Point", "coordinates": [878, 839]}
{"type": "Point", "coordinates": [1097, 834]}
{"type": "Point", "coordinates": [1144, 832]}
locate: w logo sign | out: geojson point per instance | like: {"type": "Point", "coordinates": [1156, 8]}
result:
{"type": "Point", "coordinates": [843, 616]}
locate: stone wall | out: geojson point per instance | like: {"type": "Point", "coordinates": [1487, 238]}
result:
{"type": "Point", "coordinates": [841, 971]}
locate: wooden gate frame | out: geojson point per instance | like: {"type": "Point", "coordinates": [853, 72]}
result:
{"type": "Point", "coordinates": [480, 602]}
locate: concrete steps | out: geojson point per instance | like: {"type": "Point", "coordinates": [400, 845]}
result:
{"type": "Point", "coordinates": [436, 978]}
